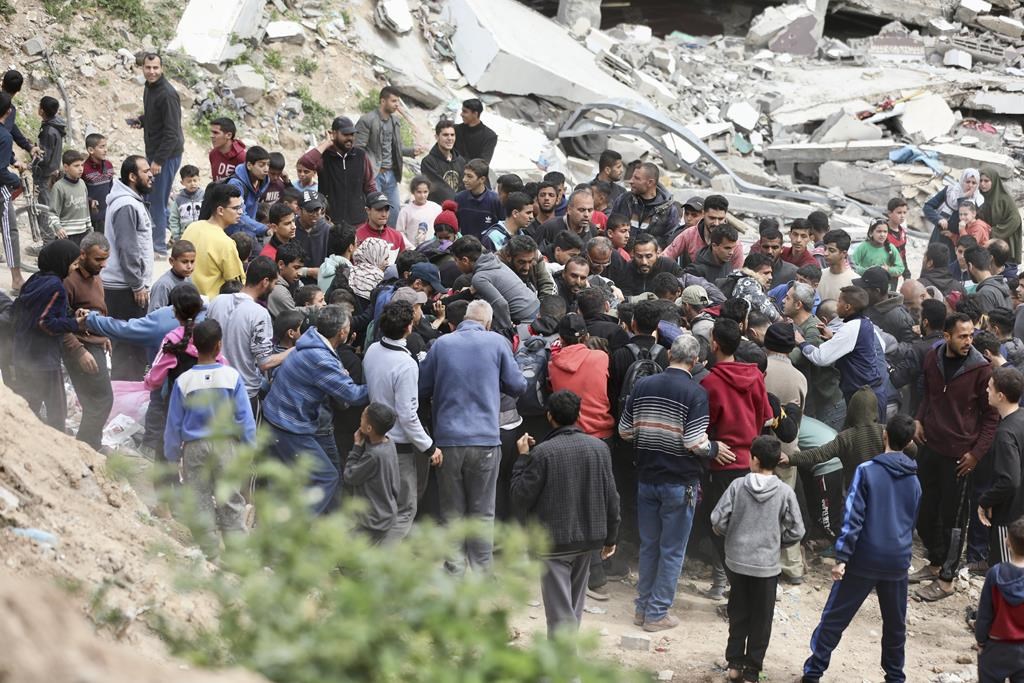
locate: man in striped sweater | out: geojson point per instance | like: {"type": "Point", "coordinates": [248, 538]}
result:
{"type": "Point", "coordinates": [666, 419]}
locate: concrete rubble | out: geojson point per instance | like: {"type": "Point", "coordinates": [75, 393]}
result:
{"type": "Point", "coordinates": [207, 32]}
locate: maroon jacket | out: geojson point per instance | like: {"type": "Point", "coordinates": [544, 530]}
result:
{"type": "Point", "coordinates": [222, 166]}
{"type": "Point", "coordinates": [954, 411]}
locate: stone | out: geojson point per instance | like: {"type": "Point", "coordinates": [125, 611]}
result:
{"type": "Point", "coordinates": [743, 115]}
{"type": "Point", "coordinates": [34, 46]}
{"type": "Point", "coordinates": [635, 641]}
{"type": "Point", "coordinates": [927, 117]}
{"type": "Point", "coordinates": [580, 15]}
{"type": "Point", "coordinates": [1007, 26]}
{"type": "Point", "coordinates": [651, 87]}
{"type": "Point", "coordinates": [416, 89]}
{"type": "Point", "coordinates": [810, 152]}
{"type": "Point", "coordinates": [958, 58]}
{"type": "Point", "coordinates": [245, 82]}
{"type": "Point", "coordinates": [960, 157]}
{"type": "Point", "coordinates": [285, 32]}
{"type": "Point", "coordinates": [968, 10]}
{"type": "Point", "coordinates": [87, 70]}
{"type": "Point", "coordinates": [598, 41]}
{"type": "Point", "coordinates": [105, 62]}
{"type": "Point", "coordinates": [866, 185]}
{"type": "Point", "coordinates": [844, 127]}
{"type": "Point", "coordinates": [996, 101]}
{"type": "Point", "coordinates": [941, 27]}
{"type": "Point", "coordinates": [206, 30]}
{"type": "Point", "coordinates": [666, 675]}
{"type": "Point", "coordinates": [663, 58]}
{"type": "Point", "coordinates": [634, 34]}
{"type": "Point", "coordinates": [797, 38]}
{"type": "Point", "coordinates": [895, 43]}
{"type": "Point", "coordinates": [774, 20]}
{"type": "Point", "coordinates": [395, 15]}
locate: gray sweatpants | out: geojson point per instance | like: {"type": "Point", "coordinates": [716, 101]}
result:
{"type": "Point", "coordinates": [467, 481]}
{"type": "Point", "coordinates": [203, 467]}
{"type": "Point", "coordinates": [413, 473]}
{"type": "Point", "coordinates": [563, 588]}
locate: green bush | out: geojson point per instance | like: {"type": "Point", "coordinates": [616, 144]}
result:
{"type": "Point", "coordinates": [273, 59]}
{"type": "Point", "coordinates": [305, 67]}
{"type": "Point", "coordinates": [370, 102]}
{"type": "Point", "coordinates": [304, 600]}
{"type": "Point", "coordinates": [6, 9]}
{"type": "Point", "coordinates": [316, 118]}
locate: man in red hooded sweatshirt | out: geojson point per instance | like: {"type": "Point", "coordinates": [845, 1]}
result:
{"type": "Point", "coordinates": [738, 407]}
{"type": "Point", "coordinates": [227, 152]}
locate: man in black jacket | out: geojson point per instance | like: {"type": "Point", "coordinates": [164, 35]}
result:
{"type": "Point", "coordinates": [593, 306]}
{"type": "Point", "coordinates": [567, 483]}
{"type": "Point", "coordinates": [637, 276]}
{"type": "Point", "coordinates": [443, 166]}
{"type": "Point", "coordinates": [935, 270]}
{"type": "Point", "coordinates": [885, 309]}
{"type": "Point", "coordinates": [474, 140]}
{"type": "Point", "coordinates": [576, 220]}
{"type": "Point", "coordinates": [648, 205]}
{"type": "Point", "coordinates": [1003, 503]}
{"type": "Point", "coordinates": [344, 172]}
{"type": "Point", "coordinates": [165, 142]}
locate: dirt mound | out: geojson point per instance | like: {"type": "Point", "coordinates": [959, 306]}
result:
{"type": "Point", "coordinates": [105, 546]}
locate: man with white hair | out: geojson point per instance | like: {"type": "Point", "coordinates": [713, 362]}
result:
{"type": "Point", "coordinates": [666, 418]}
{"type": "Point", "coordinates": [465, 374]}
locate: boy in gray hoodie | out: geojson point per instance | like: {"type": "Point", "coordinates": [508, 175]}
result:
{"type": "Point", "coordinates": [758, 515]}
{"type": "Point", "coordinates": [371, 471]}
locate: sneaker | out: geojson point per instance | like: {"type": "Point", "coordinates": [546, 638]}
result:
{"type": "Point", "coordinates": [716, 592]}
{"type": "Point", "coordinates": [665, 623]}
{"type": "Point", "coordinates": [638, 618]}
{"type": "Point", "coordinates": [978, 568]}
{"type": "Point", "coordinates": [598, 594]}
{"type": "Point", "coordinates": [793, 580]}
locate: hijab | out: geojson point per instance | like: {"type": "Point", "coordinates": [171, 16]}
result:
{"type": "Point", "coordinates": [1000, 210]}
{"type": "Point", "coordinates": [57, 256]}
{"type": "Point", "coordinates": [368, 263]}
{"type": "Point", "coordinates": [955, 192]}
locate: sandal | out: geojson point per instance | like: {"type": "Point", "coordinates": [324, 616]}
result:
{"type": "Point", "coordinates": [933, 592]}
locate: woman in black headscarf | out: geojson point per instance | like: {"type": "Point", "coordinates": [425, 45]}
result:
{"type": "Point", "coordinates": [41, 319]}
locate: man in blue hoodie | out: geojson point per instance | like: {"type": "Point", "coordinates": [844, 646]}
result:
{"type": "Point", "coordinates": [873, 553]}
{"type": "Point", "coordinates": [251, 179]}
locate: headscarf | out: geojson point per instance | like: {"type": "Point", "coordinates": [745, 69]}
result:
{"type": "Point", "coordinates": [1000, 210]}
{"type": "Point", "coordinates": [57, 256]}
{"type": "Point", "coordinates": [955, 192]}
{"type": "Point", "coordinates": [368, 265]}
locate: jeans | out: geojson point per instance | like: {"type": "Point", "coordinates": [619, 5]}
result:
{"type": "Point", "coordinates": [665, 513]}
{"type": "Point", "coordinates": [387, 184]}
{"type": "Point", "coordinates": [203, 464]}
{"type": "Point", "coordinates": [413, 472]}
{"type": "Point", "coordinates": [127, 361]}
{"type": "Point", "coordinates": [163, 182]}
{"type": "Point", "coordinates": [843, 602]}
{"type": "Point", "coordinates": [323, 476]}
{"type": "Point", "coordinates": [95, 395]}
{"type": "Point", "coordinates": [834, 416]}
{"type": "Point", "coordinates": [467, 480]}
{"type": "Point", "coordinates": [563, 588]}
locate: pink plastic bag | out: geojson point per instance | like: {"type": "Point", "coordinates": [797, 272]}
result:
{"type": "Point", "coordinates": [131, 399]}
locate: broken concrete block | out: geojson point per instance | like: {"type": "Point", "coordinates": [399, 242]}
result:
{"type": "Point", "coordinates": [572, 12]}
{"type": "Point", "coordinates": [724, 183]}
{"type": "Point", "coordinates": [798, 38]}
{"type": "Point", "coordinates": [895, 43]}
{"type": "Point", "coordinates": [87, 70]}
{"type": "Point", "coordinates": [663, 58]}
{"type": "Point", "coordinates": [844, 127]}
{"type": "Point", "coordinates": [598, 41]}
{"type": "Point", "coordinates": [649, 86]}
{"type": "Point", "coordinates": [1006, 26]}
{"type": "Point", "coordinates": [928, 117]}
{"type": "Point", "coordinates": [634, 34]}
{"type": "Point", "coordinates": [286, 32]}
{"type": "Point", "coordinates": [941, 27]}
{"type": "Point", "coordinates": [958, 58]}
{"type": "Point", "coordinates": [959, 156]}
{"type": "Point", "coordinates": [635, 641]}
{"type": "Point", "coordinates": [773, 20]}
{"type": "Point", "coordinates": [863, 184]}
{"type": "Point", "coordinates": [810, 152]}
{"type": "Point", "coordinates": [206, 30]}
{"type": "Point", "coordinates": [394, 15]}
{"type": "Point", "coordinates": [997, 102]}
{"type": "Point", "coordinates": [743, 115]}
{"type": "Point", "coordinates": [34, 46]}
{"type": "Point", "coordinates": [416, 89]}
{"type": "Point", "coordinates": [967, 10]}
{"type": "Point", "coordinates": [245, 82]}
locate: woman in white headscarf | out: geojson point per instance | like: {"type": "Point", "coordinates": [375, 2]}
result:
{"type": "Point", "coordinates": [368, 264]}
{"type": "Point", "coordinates": [943, 209]}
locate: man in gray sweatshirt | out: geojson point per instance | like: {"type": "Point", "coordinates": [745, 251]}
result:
{"type": "Point", "coordinates": [392, 379]}
{"type": "Point", "coordinates": [511, 299]}
{"type": "Point", "coordinates": [129, 270]}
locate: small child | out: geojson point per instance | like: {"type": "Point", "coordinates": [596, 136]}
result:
{"type": "Point", "coordinates": [99, 178]}
{"type": "Point", "coordinates": [758, 514]}
{"type": "Point", "coordinates": [446, 231]}
{"type": "Point", "coordinates": [183, 261]}
{"type": "Point", "coordinates": [197, 395]}
{"type": "Point", "coordinates": [184, 207]}
{"type": "Point", "coordinates": [69, 201]}
{"type": "Point", "coordinates": [305, 178]}
{"type": "Point", "coordinates": [289, 261]}
{"type": "Point", "coordinates": [341, 243]}
{"type": "Point", "coordinates": [371, 471]}
{"type": "Point", "coordinates": [51, 143]}
{"type": "Point", "coordinates": [999, 628]}
{"type": "Point", "coordinates": [876, 251]}
{"type": "Point", "coordinates": [416, 219]}
{"type": "Point", "coordinates": [291, 198]}
{"type": "Point", "coordinates": [278, 179]}
{"type": "Point", "coordinates": [971, 225]}
{"type": "Point", "coordinates": [309, 296]}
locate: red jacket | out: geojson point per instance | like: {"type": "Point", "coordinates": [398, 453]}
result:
{"type": "Point", "coordinates": [584, 372]}
{"type": "Point", "coordinates": [394, 238]}
{"type": "Point", "coordinates": [954, 411]}
{"type": "Point", "coordinates": [222, 166]}
{"type": "Point", "coordinates": [805, 259]}
{"type": "Point", "coordinates": [738, 407]}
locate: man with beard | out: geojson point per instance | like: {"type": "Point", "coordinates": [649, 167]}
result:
{"type": "Point", "coordinates": [575, 220]}
{"type": "Point", "coordinates": [344, 172]}
{"type": "Point", "coordinates": [714, 211]}
{"type": "Point", "coordinates": [638, 276]}
{"type": "Point", "coordinates": [572, 280]}
{"type": "Point", "coordinates": [609, 170]}
{"type": "Point", "coordinates": [520, 254]}
{"type": "Point", "coordinates": [443, 166]}
{"type": "Point", "coordinates": [649, 205]}
{"type": "Point", "coordinates": [543, 208]}
{"type": "Point", "coordinates": [129, 271]}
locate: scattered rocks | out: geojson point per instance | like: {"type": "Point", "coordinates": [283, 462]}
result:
{"type": "Point", "coordinates": [286, 32]}
{"type": "Point", "coordinates": [34, 46]}
{"type": "Point", "coordinates": [635, 641]}
{"type": "Point", "coordinates": [245, 82]}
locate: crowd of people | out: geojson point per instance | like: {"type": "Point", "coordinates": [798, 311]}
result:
{"type": "Point", "coordinates": [601, 358]}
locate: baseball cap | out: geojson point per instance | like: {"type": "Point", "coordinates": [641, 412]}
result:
{"type": "Point", "coordinates": [875, 277]}
{"type": "Point", "coordinates": [311, 200]}
{"type": "Point", "coordinates": [409, 295]}
{"type": "Point", "coordinates": [427, 272]}
{"type": "Point", "coordinates": [696, 203]}
{"type": "Point", "coordinates": [377, 200]}
{"type": "Point", "coordinates": [572, 327]}
{"type": "Point", "coordinates": [343, 124]}
{"type": "Point", "coordinates": [695, 295]}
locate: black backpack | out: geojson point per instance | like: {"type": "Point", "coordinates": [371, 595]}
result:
{"type": "Point", "coordinates": [643, 365]}
{"type": "Point", "coordinates": [532, 357]}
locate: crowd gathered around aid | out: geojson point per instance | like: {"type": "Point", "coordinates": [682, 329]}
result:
{"type": "Point", "coordinates": [602, 359]}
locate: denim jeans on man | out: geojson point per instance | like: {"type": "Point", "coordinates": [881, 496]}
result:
{"type": "Point", "coordinates": [387, 184]}
{"type": "Point", "coordinates": [323, 476]}
{"type": "Point", "coordinates": [158, 197]}
{"type": "Point", "coordinates": [665, 515]}
{"type": "Point", "coordinates": [467, 480]}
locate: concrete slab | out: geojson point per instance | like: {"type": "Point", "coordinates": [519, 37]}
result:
{"type": "Point", "coordinates": [245, 82]}
{"type": "Point", "coordinates": [206, 30]}
{"type": "Point", "coordinates": [967, 10]}
{"type": "Point", "coordinates": [395, 15]}
{"type": "Point", "coordinates": [743, 115]}
{"type": "Point", "coordinates": [810, 152]}
{"type": "Point", "coordinates": [549, 64]}
{"type": "Point", "coordinates": [864, 184]}
{"type": "Point", "coordinates": [797, 38]}
{"type": "Point", "coordinates": [1006, 26]}
{"type": "Point", "coordinates": [844, 127]}
{"type": "Point", "coordinates": [997, 102]}
{"type": "Point", "coordinates": [771, 22]}
{"type": "Point", "coordinates": [418, 90]}
{"type": "Point", "coordinates": [960, 157]}
{"type": "Point", "coordinates": [598, 41]}
{"type": "Point", "coordinates": [652, 87]}
{"type": "Point", "coordinates": [958, 58]}
{"type": "Point", "coordinates": [927, 117]}
{"type": "Point", "coordinates": [285, 32]}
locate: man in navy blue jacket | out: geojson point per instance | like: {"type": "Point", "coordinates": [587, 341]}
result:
{"type": "Point", "coordinates": [873, 553]}
{"type": "Point", "coordinates": [9, 182]}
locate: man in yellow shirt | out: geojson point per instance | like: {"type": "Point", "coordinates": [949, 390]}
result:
{"type": "Point", "coordinates": [217, 259]}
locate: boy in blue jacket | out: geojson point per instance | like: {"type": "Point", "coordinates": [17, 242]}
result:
{"type": "Point", "coordinates": [251, 179]}
{"type": "Point", "coordinates": [873, 553]}
{"type": "Point", "coordinates": [190, 441]}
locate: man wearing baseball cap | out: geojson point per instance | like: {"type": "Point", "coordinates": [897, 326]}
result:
{"type": "Point", "coordinates": [693, 302]}
{"type": "Point", "coordinates": [312, 232]}
{"type": "Point", "coordinates": [693, 212]}
{"type": "Point", "coordinates": [885, 309]}
{"type": "Point", "coordinates": [378, 207]}
{"type": "Point", "coordinates": [344, 172]}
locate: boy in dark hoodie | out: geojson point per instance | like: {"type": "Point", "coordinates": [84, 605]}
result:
{"type": "Point", "coordinates": [251, 179]}
{"type": "Point", "coordinates": [758, 515]}
{"type": "Point", "coordinates": [873, 553]}
{"type": "Point", "coordinates": [999, 629]}
{"type": "Point", "coordinates": [1003, 502]}
{"type": "Point", "coordinates": [51, 143]}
